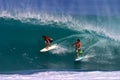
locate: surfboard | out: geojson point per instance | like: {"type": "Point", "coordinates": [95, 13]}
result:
{"type": "Point", "coordinates": [54, 46]}
{"type": "Point", "coordinates": [79, 58]}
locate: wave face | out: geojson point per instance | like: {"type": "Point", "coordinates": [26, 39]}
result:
{"type": "Point", "coordinates": [21, 41]}
{"type": "Point", "coordinates": [21, 29]}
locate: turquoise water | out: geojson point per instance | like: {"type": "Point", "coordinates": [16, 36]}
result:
{"type": "Point", "coordinates": [20, 42]}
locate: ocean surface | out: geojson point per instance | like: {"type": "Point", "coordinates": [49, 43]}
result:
{"type": "Point", "coordinates": [22, 27]}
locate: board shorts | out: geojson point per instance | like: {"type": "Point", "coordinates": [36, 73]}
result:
{"type": "Point", "coordinates": [80, 51]}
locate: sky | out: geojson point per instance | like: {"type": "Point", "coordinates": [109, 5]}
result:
{"type": "Point", "coordinates": [108, 7]}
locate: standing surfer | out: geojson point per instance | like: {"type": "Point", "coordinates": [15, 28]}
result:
{"type": "Point", "coordinates": [78, 46]}
{"type": "Point", "coordinates": [48, 40]}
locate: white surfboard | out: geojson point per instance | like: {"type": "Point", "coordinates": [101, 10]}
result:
{"type": "Point", "coordinates": [79, 58]}
{"type": "Point", "coordinates": [54, 46]}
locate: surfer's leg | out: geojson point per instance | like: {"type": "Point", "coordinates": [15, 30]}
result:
{"type": "Point", "coordinates": [47, 45]}
{"type": "Point", "coordinates": [50, 42]}
{"type": "Point", "coordinates": [77, 55]}
{"type": "Point", "coordinates": [80, 52]}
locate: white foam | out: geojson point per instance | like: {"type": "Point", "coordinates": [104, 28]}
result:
{"type": "Point", "coordinates": [100, 31]}
{"type": "Point", "coordinates": [42, 17]}
{"type": "Point", "coordinates": [88, 56]}
{"type": "Point", "coordinates": [60, 50]}
{"type": "Point", "coordinates": [64, 75]}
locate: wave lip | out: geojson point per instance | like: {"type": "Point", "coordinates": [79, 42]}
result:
{"type": "Point", "coordinates": [76, 23]}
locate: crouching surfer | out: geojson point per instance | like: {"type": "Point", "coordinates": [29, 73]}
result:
{"type": "Point", "coordinates": [48, 40]}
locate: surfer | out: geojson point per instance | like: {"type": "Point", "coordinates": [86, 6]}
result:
{"type": "Point", "coordinates": [48, 41]}
{"type": "Point", "coordinates": [78, 46]}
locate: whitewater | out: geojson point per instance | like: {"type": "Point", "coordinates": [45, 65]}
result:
{"type": "Point", "coordinates": [65, 75]}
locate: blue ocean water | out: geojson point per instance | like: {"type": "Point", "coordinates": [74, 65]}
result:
{"type": "Point", "coordinates": [22, 23]}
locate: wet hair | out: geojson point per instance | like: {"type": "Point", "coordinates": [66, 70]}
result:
{"type": "Point", "coordinates": [78, 39]}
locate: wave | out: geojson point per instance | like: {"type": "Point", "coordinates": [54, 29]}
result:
{"type": "Point", "coordinates": [20, 41]}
